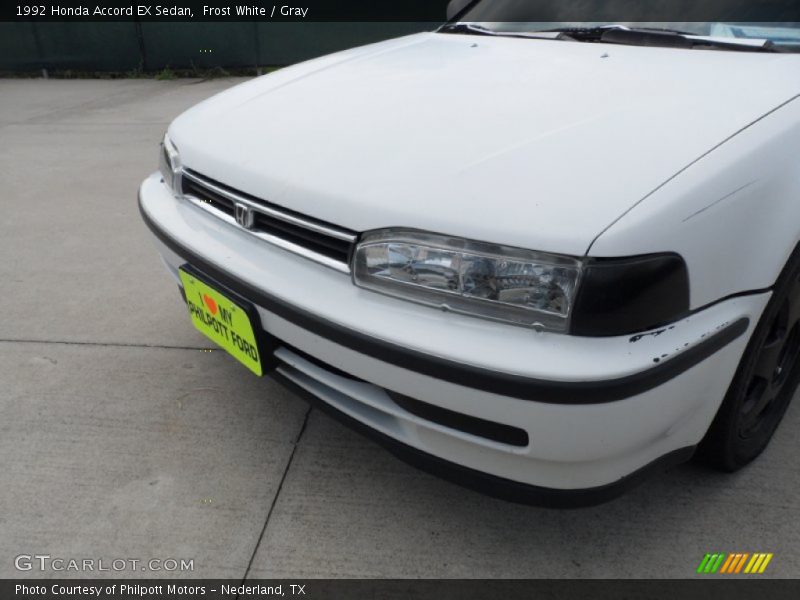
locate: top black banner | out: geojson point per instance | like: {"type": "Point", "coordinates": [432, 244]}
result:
{"type": "Point", "coordinates": [433, 11]}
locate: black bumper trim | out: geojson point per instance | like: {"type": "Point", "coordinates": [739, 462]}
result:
{"type": "Point", "coordinates": [504, 384]}
{"type": "Point", "coordinates": [485, 483]}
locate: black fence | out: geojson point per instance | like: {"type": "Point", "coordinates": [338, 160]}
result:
{"type": "Point", "coordinates": [152, 46]}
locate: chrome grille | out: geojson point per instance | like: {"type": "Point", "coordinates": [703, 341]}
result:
{"type": "Point", "coordinates": [309, 237]}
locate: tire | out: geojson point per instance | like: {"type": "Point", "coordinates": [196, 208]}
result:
{"type": "Point", "coordinates": [764, 383]}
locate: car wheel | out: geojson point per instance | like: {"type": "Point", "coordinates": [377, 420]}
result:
{"type": "Point", "coordinates": [765, 381]}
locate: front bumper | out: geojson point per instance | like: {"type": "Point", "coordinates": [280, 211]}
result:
{"type": "Point", "coordinates": [598, 412]}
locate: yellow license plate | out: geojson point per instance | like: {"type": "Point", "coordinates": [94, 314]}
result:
{"type": "Point", "coordinates": [222, 321]}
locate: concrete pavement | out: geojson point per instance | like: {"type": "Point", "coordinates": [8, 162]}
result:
{"type": "Point", "coordinates": [121, 436]}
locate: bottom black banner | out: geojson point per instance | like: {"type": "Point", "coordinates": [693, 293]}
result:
{"type": "Point", "coordinates": [313, 589]}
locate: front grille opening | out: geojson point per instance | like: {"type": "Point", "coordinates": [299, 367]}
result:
{"type": "Point", "coordinates": [218, 201]}
{"type": "Point", "coordinates": [316, 242]}
{"type": "Point", "coordinates": [224, 198]}
{"type": "Point", "coordinates": [497, 432]}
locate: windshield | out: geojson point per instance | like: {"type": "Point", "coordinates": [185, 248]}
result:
{"type": "Point", "coordinates": [528, 16]}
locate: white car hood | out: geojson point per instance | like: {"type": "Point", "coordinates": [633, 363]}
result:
{"type": "Point", "coordinates": [533, 143]}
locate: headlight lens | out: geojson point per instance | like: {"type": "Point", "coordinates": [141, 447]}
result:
{"type": "Point", "coordinates": [169, 164]}
{"type": "Point", "coordinates": [485, 280]}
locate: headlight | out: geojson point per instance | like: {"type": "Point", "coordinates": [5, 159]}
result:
{"type": "Point", "coordinates": [486, 280]}
{"type": "Point", "coordinates": [590, 297]}
{"type": "Point", "coordinates": [169, 164]}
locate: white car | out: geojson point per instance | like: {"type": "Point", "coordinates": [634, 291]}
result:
{"type": "Point", "coordinates": [540, 264]}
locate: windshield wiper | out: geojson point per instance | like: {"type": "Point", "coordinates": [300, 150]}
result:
{"type": "Point", "coordinates": [665, 38]}
{"type": "Point", "coordinates": [622, 34]}
{"type": "Point", "coordinates": [472, 29]}
{"type": "Point", "coordinates": [469, 28]}
{"type": "Point", "coordinates": [595, 33]}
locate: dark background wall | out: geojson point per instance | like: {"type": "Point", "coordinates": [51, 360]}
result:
{"type": "Point", "coordinates": [127, 46]}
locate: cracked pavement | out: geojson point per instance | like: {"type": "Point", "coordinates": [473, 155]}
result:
{"type": "Point", "coordinates": [122, 434]}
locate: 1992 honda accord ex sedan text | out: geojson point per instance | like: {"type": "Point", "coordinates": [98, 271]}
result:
{"type": "Point", "coordinates": [541, 264]}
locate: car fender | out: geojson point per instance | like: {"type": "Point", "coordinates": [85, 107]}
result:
{"type": "Point", "coordinates": [733, 214]}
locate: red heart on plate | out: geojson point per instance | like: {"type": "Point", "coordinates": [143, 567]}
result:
{"type": "Point", "coordinates": [212, 306]}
